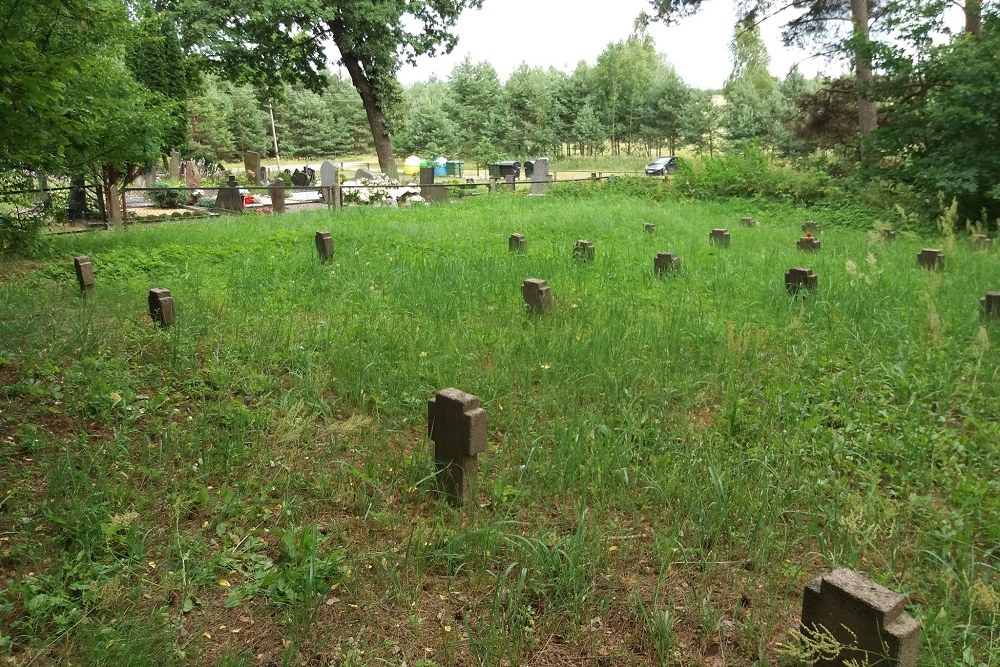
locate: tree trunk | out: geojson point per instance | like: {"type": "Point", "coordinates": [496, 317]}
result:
{"type": "Point", "coordinates": [369, 98]}
{"type": "Point", "coordinates": [863, 66]}
{"type": "Point", "coordinates": [973, 18]}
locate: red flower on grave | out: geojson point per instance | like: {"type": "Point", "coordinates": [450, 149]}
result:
{"type": "Point", "coordinates": [809, 235]}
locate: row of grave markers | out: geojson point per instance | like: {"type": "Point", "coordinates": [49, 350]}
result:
{"type": "Point", "coordinates": [537, 294]}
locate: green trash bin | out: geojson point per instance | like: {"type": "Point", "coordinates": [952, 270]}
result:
{"type": "Point", "coordinates": [454, 168]}
{"type": "Point", "coordinates": [494, 169]}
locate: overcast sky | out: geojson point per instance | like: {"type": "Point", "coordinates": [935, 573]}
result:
{"type": "Point", "coordinates": [560, 33]}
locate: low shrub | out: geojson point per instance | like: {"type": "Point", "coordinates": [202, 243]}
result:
{"type": "Point", "coordinates": [165, 196]}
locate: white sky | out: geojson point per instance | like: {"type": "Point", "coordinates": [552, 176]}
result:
{"type": "Point", "coordinates": [560, 33]}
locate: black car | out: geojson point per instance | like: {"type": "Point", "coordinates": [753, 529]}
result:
{"type": "Point", "coordinates": [662, 166]}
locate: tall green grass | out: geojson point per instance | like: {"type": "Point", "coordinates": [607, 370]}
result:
{"type": "Point", "coordinates": [669, 460]}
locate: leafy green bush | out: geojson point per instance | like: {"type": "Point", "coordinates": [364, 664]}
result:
{"type": "Point", "coordinates": [751, 174]}
{"type": "Point", "coordinates": [165, 196]}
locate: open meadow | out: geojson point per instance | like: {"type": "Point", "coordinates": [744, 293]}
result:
{"type": "Point", "coordinates": [669, 459]}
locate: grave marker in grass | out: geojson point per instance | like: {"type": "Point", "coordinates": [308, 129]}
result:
{"type": "Point", "coordinates": [324, 246]}
{"type": "Point", "coordinates": [808, 243]}
{"type": "Point", "coordinates": [989, 305]}
{"type": "Point", "coordinates": [584, 250]}
{"type": "Point", "coordinates": [457, 425]}
{"type": "Point", "coordinates": [537, 296]}
{"type": "Point", "coordinates": [649, 227]}
{"type": "Point", "coordinates": [277, 192]}
{"type": "Point", "coordinates": [747, 221]}
{"type": "Point", "coordinates": [931, 259]}
{"type": "Point", "coordinates": [798, 278]}
{"type": "Point", "coordinates": [866, 619]}
{"type": "Point", "coordinates": [161, 307]}
{"type": "Point", "coordinates": [720, 236]}
{"type": "Point", "coordinates": [981, 241]}
{"type": "Point", "coordinates": [888, 234]}
{"type": "Point", "coordinates": [84, 274]}
{"type": "Point", "coordinates": [666, 262]}
{"type": "Point", "coordinates": [517, 243]}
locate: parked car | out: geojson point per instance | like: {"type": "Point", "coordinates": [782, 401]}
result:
{"type": "Point", "coordinates": [662, 166]}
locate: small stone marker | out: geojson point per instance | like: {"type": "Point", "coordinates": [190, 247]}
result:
{"type": "Point", "coordinates": [808, 243]}
{"type": "Point", "coordinates": [798, 277]}
{"type": "Point", "coordinates": [747, 221]}
{"type": "Point", "coordinates": [324, 246]}
{"type": "Point", "coordinates": [720, 236]}
{"type": "Point", "coordinates": [989, 305]}
{"type": "Point", "coordinates": [537, 296]}
{"type": "Point", "coordinates": [517, 243]}
{"type": "Point", "coordinates": [666, 262]}
{"type": "Point", "coordinates": [457, 425]}
{"type": "Point", "coordinates": [84, 274]}
{"type": "Point", "coordinates": [888, 234]}
{"type": "Point", "coordinates": [277, 192]}
{"type": "Point", "coordinates": [161, 307]}
{"type": "Point", "coordinates": [931, 259]}
{"type": "Point", "coordinates": [510, 181]}
{"type": "Point", "coordinates": [981, 241]}
{"type": "Point", "coordinates": [811, 226]}
{"type": "Point", "coordinates": [584, 250]}
{"type": "Point", "coordinates": [865, 618]}
{"type": "Point", "coordinates": [649, 227]}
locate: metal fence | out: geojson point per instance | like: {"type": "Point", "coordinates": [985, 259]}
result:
{"type": "Point", "coordinates": [212, 201]}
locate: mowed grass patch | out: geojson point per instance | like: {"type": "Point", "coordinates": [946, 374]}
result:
{"type": "Point", "coordinates": [669, 460]}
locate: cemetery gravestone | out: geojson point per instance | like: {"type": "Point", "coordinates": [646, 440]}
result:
{"type": "Point", "coordinates": [229, 197]}
{"type": "Point", "coordinates": [811, 226]}
{"type": "Point", "coordinates": [540, 177]}
{"type": "Point", "coordinates": [584, 250]}
{"type": "Point", "coordinates": [989, 305]}
{"type": "Point", "coordinates": [808, 243]}
{"type": "Point", "coordinates": [537, 296]}
{"type": "Point", "coordinates": [666, 262]}
{"type": "Point", "coordinates": [365, 174]}
{"type": "Point", "coordinates": [457, 425]}
{"type": "Point", "coordinates": [324, 246]}
{"type": "Point", "coordinates": [84, 274]}
{"type": "Point", "coordinates": [931, 259]}
{"type": "Point", "coordinates": [649, 227]}
{"type": "Point", "coordinates": [517, 243]}
{"type": "Point", "coordinates": [161, 307]}
{"type": "Point", "coordinates": [981, 241]}
{"type": "Point", "coordinates": [426, 182]}
{"type": "Point", "coordinates": [888, 235]}
{"type": "Point", "coordinates": [300, 179]}
{"type": "Point", "coordinates": [720, 237]}
{"type": "Point", "coordinates": [747, 221]}
{"type": "Point", "coordinates": [192, 177]}
{"type": "Point", "coordinates": [175, 166]}
{"type": "Point", "coordinates": [509, 180]}
{"type": "Point", "coordinates": [865, 618]}
{"type": "Point", "coordinates": [798, 278]}
{"type": "Point", "coordinates": [251, 162]}
{"type": "Point", "coordinates": [277, 193]}
{"type": "Point", "coordinates": [329, 180]}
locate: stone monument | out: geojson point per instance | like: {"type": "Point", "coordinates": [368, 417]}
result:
{"type": "Point", "coordinates": [866, 619]}
{"type": "Point", "coordinates": [161, 307]}
{"type": "Point", "coordinates": [457, 425]}
{"type": "Point", "coordinates": [537, 296]}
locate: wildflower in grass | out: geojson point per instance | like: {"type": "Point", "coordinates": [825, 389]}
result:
{"type": "Point", "coordinates": [546, 367]}
{"type": "Point", "coordinates": [851, 268]}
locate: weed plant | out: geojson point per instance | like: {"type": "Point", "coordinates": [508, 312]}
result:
{"type": "Point", "coordinates": [670, 459]}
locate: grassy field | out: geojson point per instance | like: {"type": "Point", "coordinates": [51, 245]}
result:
{"type": "Point", "coordinates": [669, 460]}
